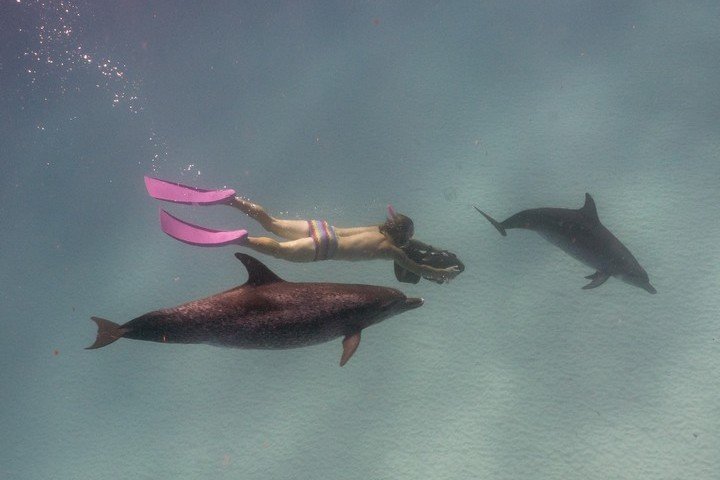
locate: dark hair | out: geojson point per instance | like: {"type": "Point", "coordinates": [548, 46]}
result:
{"type": "Point", "coordinates": [399, 228]}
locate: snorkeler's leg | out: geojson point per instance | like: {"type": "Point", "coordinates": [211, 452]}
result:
{"type": "Point", "coordinates": [301, 250]}
{"type": "Point", "coordinates": [289, 229]}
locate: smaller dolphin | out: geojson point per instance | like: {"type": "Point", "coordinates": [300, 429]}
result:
{"type": "Point", "coordinates": [580, 234]}
{"type": "Point", "coordinates": [267, 312]}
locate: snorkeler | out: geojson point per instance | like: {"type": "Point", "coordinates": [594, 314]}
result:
{"type": "Point", "coordinates": [307, 240]}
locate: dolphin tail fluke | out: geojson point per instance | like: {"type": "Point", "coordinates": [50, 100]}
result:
{"type": "Point", "coordinates": [107, 333]}
{"type": "Point", "coordinates": [495, 223]}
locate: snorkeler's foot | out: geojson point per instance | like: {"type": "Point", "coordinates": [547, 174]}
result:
{"type": "Point", "coordinates": [200, 236]}
{"type": "Point", "coordinates": [252, 210]}
{"type": "Point", "coordinates": [179, 193]}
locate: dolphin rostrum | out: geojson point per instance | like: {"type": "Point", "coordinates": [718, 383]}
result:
{"type": "Point", "coordinates": [268, 313]}
{"type": "Point", "coordinates": [580, 234]}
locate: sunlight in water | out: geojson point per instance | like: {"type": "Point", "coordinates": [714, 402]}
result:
{"type": "Point", "coordinates": [58, 52]}
{"type": "Point", "coordinates": [58, 56]}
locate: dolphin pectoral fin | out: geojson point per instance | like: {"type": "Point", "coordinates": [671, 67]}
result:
{"type": "Point", "coordinates": [350, 344]}
{"type": "Point", "coordinates": [598, 278]}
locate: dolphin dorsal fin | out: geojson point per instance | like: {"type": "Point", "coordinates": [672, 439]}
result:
{"type": "Point", "coordinates": [258, 273]}
{"type": "Point", "coordinates": [589, 210]}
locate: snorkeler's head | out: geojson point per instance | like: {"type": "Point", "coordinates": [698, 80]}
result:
{"type": "Point", "coordinates": [398, 228]}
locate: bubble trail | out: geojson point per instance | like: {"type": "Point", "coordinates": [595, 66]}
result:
{"type": "Point", "coordinates": [59, 52]}
{"type": "Point", "coordinates": [61, 58]}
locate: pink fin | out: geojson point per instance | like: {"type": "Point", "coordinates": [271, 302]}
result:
{"type": "Point", "coordinates": [196, 235]}
{"type": "Point", "coordinates": [179, 193]}
{"type": "Point", "coordinates": [350, 344]}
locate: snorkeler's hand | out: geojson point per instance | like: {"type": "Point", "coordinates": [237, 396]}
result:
{"type": "Point", "coordinates": [453, 271]}
{"type": "Point", "coordinates": [444, 275]}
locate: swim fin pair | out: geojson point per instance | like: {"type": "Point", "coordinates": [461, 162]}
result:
{"type": "Point", "coordinates": [187, 232]}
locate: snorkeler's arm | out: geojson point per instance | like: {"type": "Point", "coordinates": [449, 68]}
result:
{"type": "Point", "coordinates": [441, 274]}
{"type": "Point", "coordinates": [418, 245]}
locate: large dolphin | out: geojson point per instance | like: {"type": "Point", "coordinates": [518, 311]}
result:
{"type": "Point", "coordinates": [267, 312]}
{"type": "Point", "coordinates": [580, 234]}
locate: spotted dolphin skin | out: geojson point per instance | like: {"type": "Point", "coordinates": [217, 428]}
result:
{"type": "Point", "coordinates": [580, 234]}
{"type": "Point", "coordinates": [267, 312]}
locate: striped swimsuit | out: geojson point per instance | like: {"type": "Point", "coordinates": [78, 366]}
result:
{"type": "Point", "coordinates": [325, 239]}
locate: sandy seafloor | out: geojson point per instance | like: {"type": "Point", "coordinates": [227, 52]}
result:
{"type": "Point", "coordinates": [333, 110]}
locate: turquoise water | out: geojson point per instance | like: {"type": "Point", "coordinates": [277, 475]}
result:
{"type": "Point", "coordinates": [333, 110]}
